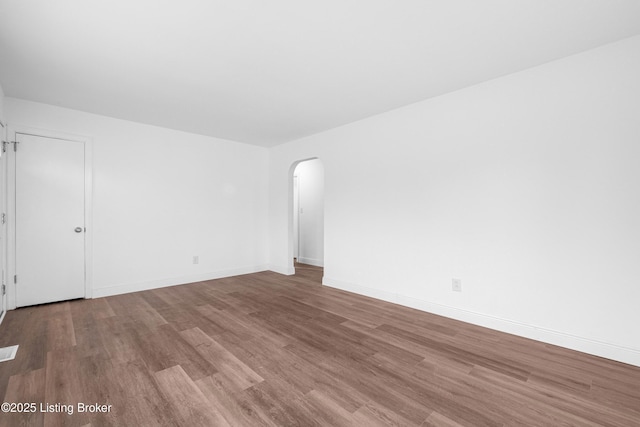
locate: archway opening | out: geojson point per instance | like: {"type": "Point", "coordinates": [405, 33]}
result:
{"type": "Point", "coordinates": [307, 217]}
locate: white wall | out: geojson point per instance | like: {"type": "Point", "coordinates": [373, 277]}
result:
{"type": "Point", "coordinates": [161, 197]}
{"type": "Point", "coordinates": [525, 187]}
{"type": "Point", "coordinates": [310, 176]}
{"type": "Point", "coordinates": [1, 104]}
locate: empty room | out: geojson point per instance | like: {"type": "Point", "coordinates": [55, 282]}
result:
{"type": "Point", "coordinates": [336, 213]}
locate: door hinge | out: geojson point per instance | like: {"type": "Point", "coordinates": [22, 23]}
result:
{"type": "Point", "coordinates": [4, 289]}
{"type": "Point", "coordinates": [15, 279]}
{"type": "Point", "coordinates": [4, 217]}
{"type": "Point", "coordinates": [15, 145]}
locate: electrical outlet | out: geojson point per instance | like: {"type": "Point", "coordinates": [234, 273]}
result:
{"type": "Point", "coordinates": [456, 285]}
{"type": "Point", "coordinates": [196, 259]}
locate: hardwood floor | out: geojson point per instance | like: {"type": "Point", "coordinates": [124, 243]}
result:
{"type": "Point", "coordinates": [266, 349]}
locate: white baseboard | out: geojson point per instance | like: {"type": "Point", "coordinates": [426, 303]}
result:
{"type": "Point", "coordinates": [161, 283]}
{"type": "Point", "coordinates": [311, 261]}
{"type": "Point", "coordinates": [585, 345]}
{"type": "Point", "coordinates": [287, 271]}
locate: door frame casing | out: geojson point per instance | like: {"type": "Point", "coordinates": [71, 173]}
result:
{"type": "Point", "coordinates": [11, 206]}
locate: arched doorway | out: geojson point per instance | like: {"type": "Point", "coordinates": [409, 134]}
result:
{"type": "Point", "coordinates": [307, 213]}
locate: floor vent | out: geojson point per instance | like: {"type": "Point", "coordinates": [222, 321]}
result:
{"type": "Point", "coordinates": [8, 353]}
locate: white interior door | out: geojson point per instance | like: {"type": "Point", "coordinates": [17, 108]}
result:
{"type": "Point", "coordinates": [296, 207]}
{"type": "Point", "coordinates": [49, 219]}
{"type": "Point", "coordinates": [3, 189]}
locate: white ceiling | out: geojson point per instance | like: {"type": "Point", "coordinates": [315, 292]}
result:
{"type": "Point", "coordinates": [267, 72]}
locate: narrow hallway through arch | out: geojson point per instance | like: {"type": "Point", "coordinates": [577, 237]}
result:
{"type": "Point", "coordinates": [308, 272]}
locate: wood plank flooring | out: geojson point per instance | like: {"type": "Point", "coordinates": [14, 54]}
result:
{"type": "Point", "coordinates": [270, 350]}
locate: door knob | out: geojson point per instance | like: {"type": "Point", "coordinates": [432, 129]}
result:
{"type": "Point", "coordinates": [78, 230]}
